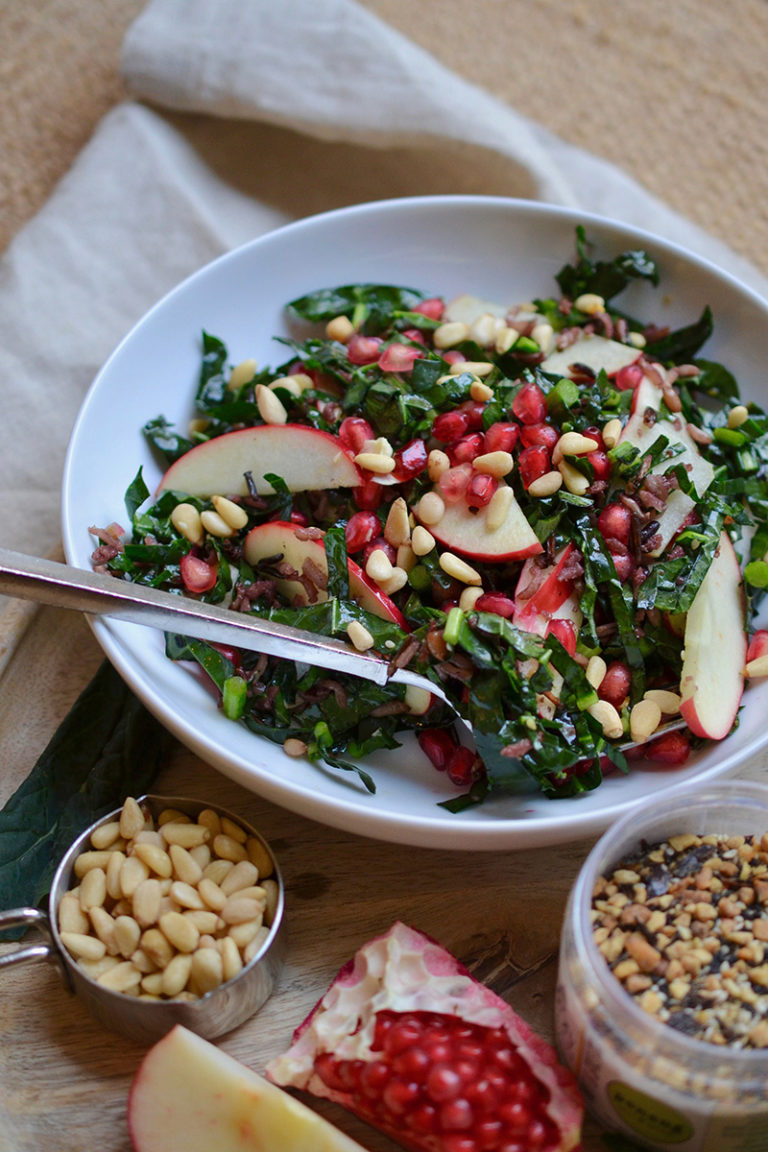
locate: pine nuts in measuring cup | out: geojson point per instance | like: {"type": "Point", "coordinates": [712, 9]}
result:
{"type": "Point", "coordinates": [168, 911]}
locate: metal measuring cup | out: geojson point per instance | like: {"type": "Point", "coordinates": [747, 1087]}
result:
{"type": "Point", "coordinates": [215, 1013]}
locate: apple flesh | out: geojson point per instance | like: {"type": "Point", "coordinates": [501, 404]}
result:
{"type": "Point", "coordinates": [465, 309]}
{"type": "Point", "coordinates": [595, 352]}
{"type": "Point", "coordinates": [712, 677]}
{"type": "Point", "coordinates": [642, 434]}
{"type": "Point", "coordinates": [279, 538]}
{"type": "Point", "coordinates": [307, 459]}
{"type": "Point", "coordinates": [533, 613]}
{"type": "Point", "coordinates": [188, 1094]}
{"type": "Point", "coordinates": [468, 533]}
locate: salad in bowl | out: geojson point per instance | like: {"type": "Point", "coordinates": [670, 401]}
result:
{"type": "Point", "coordinates": [552, 508]}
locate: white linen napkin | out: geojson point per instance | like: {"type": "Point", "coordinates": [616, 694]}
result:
{"type": "Point", "coordinates": [259, 112]}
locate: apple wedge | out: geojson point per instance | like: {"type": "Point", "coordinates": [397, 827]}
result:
{"type": "Point", "coordinates": [465, 309]}
{"type": "Point", "coordinates": [595, 352]}
{"type": "Point", "coordinates": [642, 433]}
{"type": "Point", "coordinates": [307, 459]}
{"type": "Point", "coordinates": [468, 533]}
{"type": "Point", "coordinates": [188, 1094]}
{"type": "Point", "coordinates": [280, 538]}
{"type": "Point", "coordinates": [712, 677]}
{"type": "Point", "coordinates": [533, 613]}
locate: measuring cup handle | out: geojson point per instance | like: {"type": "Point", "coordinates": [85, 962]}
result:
{"type": "Point", "coordinates": [27, 918]}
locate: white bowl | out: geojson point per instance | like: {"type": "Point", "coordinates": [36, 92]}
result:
{"type": "Point", "coordinates": [495, 248]}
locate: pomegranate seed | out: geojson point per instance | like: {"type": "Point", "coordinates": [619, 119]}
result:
{"type": "Point", "coordinates": [456, 1115]}
{"type": "Point", "coordinates": [458, 1142]}
{"type": "Point", "coordinates": [497, 603]}
{"type": "Point", "coordinates": [671, 748]}
{"type": "Point", "coordinates": [353, 433]}
{"type": "Point", "coordinates": [299, 518]}
{"type": "Point", "coordinates": [415, 335]}
{"type": "Point", "coordinates": [373, 1079]}
{"type": "Point", "coordinates": [438, 745]}
{"type": "Point", "coordinates": [231, 654]}
{"type": "Point", "coordinates": [454, 482]}
{"type": "Point", "coordinates": [329, 1071]}
{"type": "Point", "coordinates": [480, 490]}
{"type": "Point", "coordinates": [542, 434]}
{"type": "Point", "coordinates": [533, 463]}
{"type": "Point", "coordinates": [453, 356]}
{"type": "Point", "coordinates": [601, 465]}
{"type": "Point", "coordinates": [410, 460]}
{"type": "Point", "coordinates": [475, 410]}
{"type": "Point", "coordinates": [399, 1094]}
{"type": "Point", "coordinates": [565, 633]}
{"type": "Point", "coordinates": [423, 1119]}
{"type": "Point", "coordinates": [501, 437]}
{"type": "Point", "coordinates": [363, 349]}
{"type": "Point", "coordinates": [413, 1063]}
{"type": "Point", "coordinates": [482, 1095]}
{"type": "Point", "coordinates": [369, 495]}
{"type": "Point", "coordinates": [623, 561]}
{"type": "Point", "coordinates": [463, 451]}
{"type": "Point", "coordinates": [628, 377]}
{"type": "Point", "coordinates": [442, 1083]}
{"type": "Point", "coordinates": [449, 426]}
{"type": "Point", "coordinates": [403, 1034]}
{"type": "Point", "coordinates": [488, 1135]}
{"type": "Point", "coordinates": [462, 765]}
{"type": "Point", "coordinates": [398, 358]}
{"type": "Point", "coordinates": [595, 434]}
{"type": "Point", "coordinates": [615, 685]}
{"type": "Point", "coordinates": [198, 575]}
{"type": "Point", "coordinates": [615, 523]}
{"type": "Point", "coordinates": [432, 308]}
{"type": "Point", "coordinates": [379, 544]}
{"type": "Point", "coordinates": [362, 527]}
{"type": "Point", "coordinates": [515, 1115]}
{"type": "Point", "coordinates": [530, 405]}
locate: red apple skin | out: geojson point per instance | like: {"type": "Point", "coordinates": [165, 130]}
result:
{"type": "Point", "coordinates": [273, 537]}
{"type": "Point", "coordinates": [758, 645]}
{"type": "Point", "coordinates": [547, 598]}
{"type": "Point", "coordinates": [463, 532]}
{"type": "Point", "coordinates": [308, 459]}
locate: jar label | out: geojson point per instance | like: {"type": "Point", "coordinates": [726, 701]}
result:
{"type": "Point", "coordinates": [647, 1116]}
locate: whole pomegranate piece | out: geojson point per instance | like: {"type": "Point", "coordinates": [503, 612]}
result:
{"type": "Point", "coordinates": [410, 1042]}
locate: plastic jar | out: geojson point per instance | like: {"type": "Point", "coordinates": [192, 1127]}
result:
{"type": "Point", "coordinates": [640, 1076]}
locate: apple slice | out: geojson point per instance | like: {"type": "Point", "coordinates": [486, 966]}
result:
{"type": "Point", "coordinates": [595, 352]}
{"type": "Point", "coordinates": [466, 309]}
{"type": "Point", "coordinates": [712, 677]}
{"type": "Point", "coordinates": [189, 1094]}
{"type": "Point", "coordinates": [468, 533]}
{"type": "Point", "coordinates": [533, 613]}
{"type": "Point", "coordinates": [307, 459]}
{"type": "Point", "coordinates": [642, 434]}
{"type": "Point", "coordinates": [279, 538]}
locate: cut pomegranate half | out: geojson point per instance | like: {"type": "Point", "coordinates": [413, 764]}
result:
{"type": "Point", "coordinates": [410, 1042]}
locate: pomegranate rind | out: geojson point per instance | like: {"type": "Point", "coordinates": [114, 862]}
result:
{"type": "Point", "coordinates": [405, 971]}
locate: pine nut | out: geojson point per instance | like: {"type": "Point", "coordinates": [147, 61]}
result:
{"type": "Point", "coordinates": [394, 582]}
{"type": "Point", "coordinates": [210, 820]}
{"type": "Point", "coordinates": [590, 303]}
{"type": "Point", "coordinates": [483, 330]}
{"type": "Point", "coordinates": [294, 747]}
{"type": "Point", "coordinates": [127, 935]}
{"type": "Point", "coordinates": [133, 871]}
{"type": "Point", "coordinates": [152, 984]}
{"type": "Point", "coordinates": [506, 338]}
{"type": "Point", "coordinates": [156, 859]}
{"type": "Point", "coordinates": [71, 916]}
{"type": "Point", "coordinates": [93, 889]}
{"type": "Point", "coordinates": [431, 508]}
{"type": "Point", "coordinates": [187, 835]}
{"type": "Point", "coordinates": [271, 889]}
{"type": "Point", "coordinates": [234, 831]}
{"type": "Point", "coordinates": [231, 962]}
{"type": "Point", "coordinates": [496, 464]}
{"type": "Point", "coordinates": [397, 529]}
{"type": "Point", "coordinates": [147, 836]}
{"type": "Point", "coordinates": [471, 367]}
{"type": "Point", "coordinates": [611, 433]}
{"type": "Point", "coordinates": [378, 566]}
{"type": "Point", "coordinates": [437, 463]}
{"type": "Point", "coordinates": [450, 334]}
{"type": "Point", "coordinates": [114, 865]}
{"type": "Point", "coordinates": [185, 867]}
{"type": "Point", "coordinates": [573, 444]}
{"type": "Point", "coordinates": [207, 969]}
{"type": "Point", "coordinates": [469, 597]}
{"type": "Point", "coordinates": [380, 446]}
{"type": "Point", "coordinates": [418, 699]}
{"type": "Point", "coordinates": [122, 978]}
{"type": "Point", "coordinates": [271, 408]}
{"type": "Point", "coordinates": [258, 855]}
{"type": "Point", "coordinates": [736, 417]}
{"type": "Point", "coordinates": [228, 849]}
{"type": "Point", "coordinates": [231, 513]}
{"type": "Point", "coordinates": [176, 974]}
{"type": "Point", "coordinates": [668, 702]}
{"type": "Point", "coordinates": [499, 507]}
{"type": "Point", "coordinates": [143, 962]}
{"type": "Point", "coordinates": [173, 816]}
{"type": "Point", "coordinates": [340, 328]}
{"type": "Point", "coordinates": [215, 525]}
{"type": "Point", "coordinates": [644, 719]}
{"type": "Point", "coordinates": [212, 894]}
{"type": "Point", "coordinates": [406, 558]}
{"type": "Point", "coordinates": [242, 373]}
{"type": "Point", "coordinates": [243, 875]}
{"type": "Point", "coordinates": [94, 968]}
{"type": "Point", "coordinates": [295, 383]}
{"type": "Point", "coordinates": [255, 946]}
{"type": "Point", "coordinates": [480, 391]}
{"type": "Point", "coordinates": [88, 860]}
{"type": "Point", "coordinates": [757, 667]}
{"type": "Point", "coordinates": [544, 336]}
{"type": "Point", "coordinates": [576, 482]}
{"type": "Point", "coordinates": [178, 931]}
{"type": "Point", "coordinates": [596, 670]}
{"type": "Point", "coordinates": [105, 835]}
{"type": "Point", "coordinates": [422, 541]}
{"type": "Point", "coordinates": [546, 485]}
{"type": "Point", "coordinates": [217, 870]}
{"type": "Point", "coordinates": [83, 946]}
{"type": "Point", "coordinates": [359, 636]}
{"type": "Point", "coordinates": [104, 927]}
{"type": "Point", "coordinates": [201, 854]}
{"type": "Point", "coordinates": [608, 718]}
{"type": "Point", "coordinates": [131, 819]}
{"type": "Point", "coordinates": [375, 462]}
{"type": "Point", "coordinates": [204, 920]}
{"type": "Point", "coordinates": [157, 947]}
{"type": "Point", "coordinates": [240, 909]}
{"type": "Point", "coordinates": [185, 895]}
{"type": "Point", "coordinates": [186, 520]}
{"type": "Point", "coordinates": [457, 568]}
{"type": "Point", "coordinates": [243, 934]}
